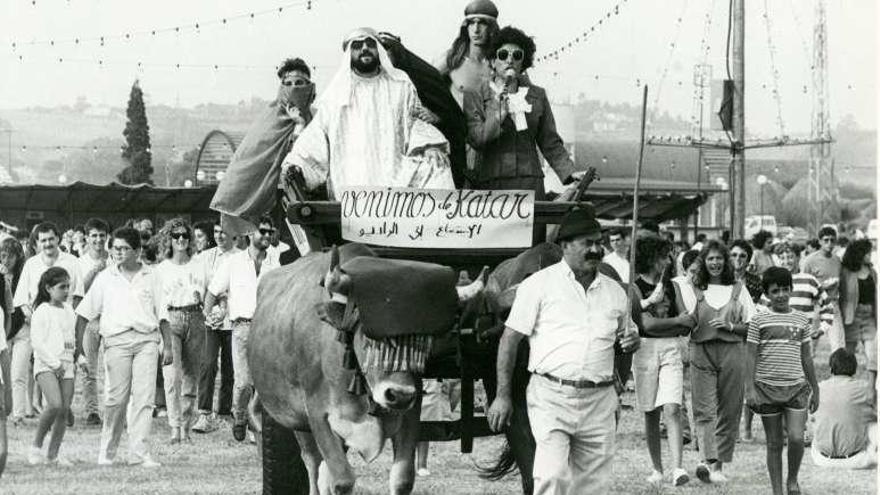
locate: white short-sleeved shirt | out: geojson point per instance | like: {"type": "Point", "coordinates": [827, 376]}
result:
{"type": "Point", "coordinates": [125, 305]}
{"type": "Point", "coordinates": [35, 267]}
{"type": "Point", "coordinates": [620, 265]}
{"type": "Point", "coordinates": [571, 331]}
{"type": "Point", "coordinates": [211, 260]}
{"type": "Point", "coordinates": [182, 284]}
{"type": "Point", "coordinates": [237, 278]}
{"type": "Point", "coordinates": [717, 296]}
{"type": "Point", "coordinates": [53, 334]}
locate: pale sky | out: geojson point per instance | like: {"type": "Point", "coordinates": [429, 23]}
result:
{"type": "Point", "coordinates": [630, 48]}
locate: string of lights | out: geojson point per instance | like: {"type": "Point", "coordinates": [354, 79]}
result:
{"type": "Point", "coordinates": [581, 38]}
{"type": "Point", "coordinates": [702, 74]}
{"type": "Point", "coordinates": [194, 27]}
{"type": "Point", "coordinates": [142, 65]}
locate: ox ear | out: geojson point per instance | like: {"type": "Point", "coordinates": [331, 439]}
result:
{"type": "Point", "coordinates": [335, 281]}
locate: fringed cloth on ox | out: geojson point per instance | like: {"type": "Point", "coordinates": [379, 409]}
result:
{"type": "Point", "coordinates": [400, 306]}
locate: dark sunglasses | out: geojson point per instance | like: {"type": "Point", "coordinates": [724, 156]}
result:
{"type": "Point", "coordinates": [180, 235]}
{"type": "Point", "coordinates": [358, 44]}
{"type": "Point", "coordinates": [267, 231]}
{"type": "Point", "coordinates": [218, 231]}
{"type": "Point", "coordinates": [297, 83]}
{"type": "Point", "coordinates": [503, 53]}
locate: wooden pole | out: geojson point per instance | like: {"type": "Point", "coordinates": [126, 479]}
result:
{"type": "Point", "coordinates": [635, 215]}
{"type": "Point", "coordinates": [739, 119]}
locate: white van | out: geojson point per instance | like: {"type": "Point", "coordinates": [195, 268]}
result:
{"type": "Point", "coordinates": [757, 223]}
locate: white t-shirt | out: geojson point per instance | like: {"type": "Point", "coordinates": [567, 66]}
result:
{"type": "Point", "coordinates": [182, 285]}
{"type": "Point", "coordinates": [53, 334]}
{"type": "Point", "coordinates": [237, 278]}
{"type": "Point", "coordinates": [620, 265]}
{"type": "Point", "coordinates": [717, 296]}
{"type": "Point", "coordinates": [35, 267]}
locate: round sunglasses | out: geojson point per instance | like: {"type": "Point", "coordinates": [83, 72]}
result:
{"type": "Point", "coordinates": [503, 53]}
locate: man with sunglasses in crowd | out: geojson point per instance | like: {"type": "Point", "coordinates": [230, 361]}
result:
{"type": "Point", "coordinates": [826, 268]}
{"type": "Point", "coordinates": [370, 128]}
{"type": "Point", "coordinates": [237, 277]}
{"type": "Point", "coordinates": [252, 178]}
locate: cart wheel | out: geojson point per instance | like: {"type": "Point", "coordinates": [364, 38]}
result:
{"type": "Point", "coordinates": [283, 469]}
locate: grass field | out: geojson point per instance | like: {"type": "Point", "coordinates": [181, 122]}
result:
{"type": "Point", "coordinates": [216, 464]}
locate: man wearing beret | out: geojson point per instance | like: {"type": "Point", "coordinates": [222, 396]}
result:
{"type": "Point", "coordinates": [572, 316]}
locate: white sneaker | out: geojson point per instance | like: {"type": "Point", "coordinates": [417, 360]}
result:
{"type": "Point", "coordinates": [144, 462]}
{"type": "Point", "coordinates": [203, 424]}
{"type": "Point", "coordinates": [35, 456]}
{"type": "Point", "coordinates": [423, 472]}
{"type": "Point", "coordinates": [655, 478]}
{"type": "Point", "coordinates": [103, 461]}
{"type": "Point", "coordinates": [717, 477]}
{"type": "Point", "coordinates": [61, 461]}
{"type": "Point", "coordinates": [679, 477]}
{"type": "Point", "coordinates": [251, 438]}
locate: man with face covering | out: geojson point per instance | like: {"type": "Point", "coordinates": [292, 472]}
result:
{"type": "Point", "coordinates": [370, 128]}
{"type": "Point", "coordinates": [249, 188]}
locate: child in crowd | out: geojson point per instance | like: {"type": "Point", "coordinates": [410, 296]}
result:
{"type": "Point", "coordinates": [53, 339]}
{"type": "Point", "coordinates": [780, 376]}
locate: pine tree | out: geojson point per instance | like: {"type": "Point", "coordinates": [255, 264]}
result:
{"type": "Point", "coordinates": [137, 138]}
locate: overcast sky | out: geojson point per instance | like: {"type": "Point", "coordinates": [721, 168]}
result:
{"type": "Point", "coordinates": [647, 39]}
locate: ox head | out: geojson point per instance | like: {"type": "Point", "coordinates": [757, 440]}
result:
{"type": "Point", "coordinates": [387, 361]}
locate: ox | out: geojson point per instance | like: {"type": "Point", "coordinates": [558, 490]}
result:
{"type": "Point", "coordinates": [309, 352]}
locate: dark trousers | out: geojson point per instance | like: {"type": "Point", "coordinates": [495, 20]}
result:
{"type": "Point", "coordinates": [216, 341]}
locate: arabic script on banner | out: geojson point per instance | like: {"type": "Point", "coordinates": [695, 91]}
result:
{"type": "Point", "coordinates": [435, 218]}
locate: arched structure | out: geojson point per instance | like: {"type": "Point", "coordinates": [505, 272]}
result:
{"type": "Point", "coordinates": [214, 156]}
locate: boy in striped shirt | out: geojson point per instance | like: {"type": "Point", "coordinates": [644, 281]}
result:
{"type": "Point", "coordinates": [780, 379]}
{"type": "Point", "coordinates": [807, 294]}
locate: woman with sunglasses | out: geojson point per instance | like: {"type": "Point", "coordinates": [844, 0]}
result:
{"type": "Point", "coordinates": [508, 120]}
{"type": "Point", "coordinates": [183, 282]}
{"type": "Point", "coordinates": [723, 308]}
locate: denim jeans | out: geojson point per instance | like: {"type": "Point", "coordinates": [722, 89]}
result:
{"type": "Point", "coordinates": [242, 391]}
{"type": "Point", "coordinates": [216, 341]}
{"type": "Point", "coordinates": [182, 376]}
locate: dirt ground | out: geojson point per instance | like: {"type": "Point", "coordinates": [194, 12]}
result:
{"type": "Point", "coordinates": [216, 464]}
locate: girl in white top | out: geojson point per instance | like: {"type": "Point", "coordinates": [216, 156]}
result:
{"type": "Point", "coordinates": [53, 338]}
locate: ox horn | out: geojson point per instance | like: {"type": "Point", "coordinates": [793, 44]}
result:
{"type": "Point", "coordinates": [469, 291]}
{"type": "Point", "coordinates": [335, 280]}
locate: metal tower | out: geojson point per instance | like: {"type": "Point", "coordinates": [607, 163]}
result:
{"type": "Point", "coordinates": [821, 179]}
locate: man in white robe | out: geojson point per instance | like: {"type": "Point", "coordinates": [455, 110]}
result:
{"type": "Point", "coordinates": [370, 128]}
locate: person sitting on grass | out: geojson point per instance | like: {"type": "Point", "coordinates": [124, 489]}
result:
{"type": "Point", "coordinates": [780, 376]}
{"type": "Point", "coordinates": [846, 424]}
{"type": "Point", "coordinates": [53, 338]}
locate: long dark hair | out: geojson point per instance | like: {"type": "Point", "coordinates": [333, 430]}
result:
{"type": "Point", "coordinates": [727, 275]}
{"type": "Point", "coordinates": [51, 277]}
{"type": "Point", "coordinates": [855, 254]}
{"type": "Point", "coordinates": [456, 55]}
{"type": "Point", "coordinates": [14, 247]}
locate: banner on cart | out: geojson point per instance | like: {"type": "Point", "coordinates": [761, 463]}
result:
{"type": "Point", "coordinates": [436, 218]}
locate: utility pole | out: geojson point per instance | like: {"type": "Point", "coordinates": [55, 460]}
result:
{"type": "Point", "coordinates": [821, 189]}
{"type": "Point", "coordinates": [738, 163]}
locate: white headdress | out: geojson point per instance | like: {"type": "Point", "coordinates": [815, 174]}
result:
{"type": "Point", "coordinates": [338, 92]}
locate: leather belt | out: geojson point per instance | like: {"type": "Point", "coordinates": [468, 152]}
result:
{"type": "Point", "coordinates": [577, 383]}
{"type": "Point", "coordinates": [242, 320]}
{"type": "Point", "coordinates": [188, 308]}
{"type": "Point", "coordinates": [843, 456]}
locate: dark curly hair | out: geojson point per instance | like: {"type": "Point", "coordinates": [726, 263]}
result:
{"type": "Point", "coordinates": [745, 246]}
{"type": "Point", "coordinates": [514, 36]}
{"type": "Point", "coordinates": [761, 238]}
{"type": "Point", "coordinates": [649, 249]}
{"type": "Point", "coordinates": [292, 64]}
{"type": "Point", "coordinates": [855, 254]}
